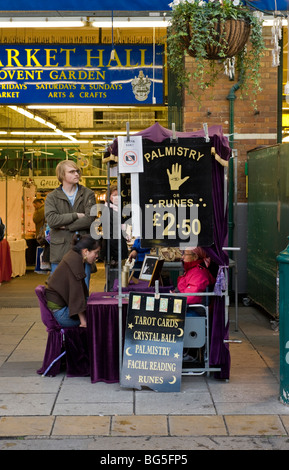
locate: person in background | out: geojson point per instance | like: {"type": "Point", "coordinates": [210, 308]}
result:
{"type": "Point", "coordinates": [138, 253]}
{"type": "Point", "coordinates": [67, 211]}
{"type": "Point", "coordinates": [66, 291]}
{"type": "Point", "coordinates": [196, 277]}
{"type": "Point", "coordinates": [113, 242]}
{"type": "Point", "coordinates": [110, 227]}
{"type": "Point", "coordinates": [38, 215]}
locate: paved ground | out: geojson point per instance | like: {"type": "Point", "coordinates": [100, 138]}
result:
{"type": "Point", "coordinates": [46, 413]}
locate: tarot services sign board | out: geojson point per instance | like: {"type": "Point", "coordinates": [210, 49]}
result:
{"type": "Point", "coordinates": [81, 74]}
{"type": "Point", "coordinates": [153, 349]}
{"type": "Point", "coordinates": [175, 192]}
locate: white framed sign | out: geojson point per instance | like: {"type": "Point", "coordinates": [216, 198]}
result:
{"type": "Point", "coordinates": [130, 154]}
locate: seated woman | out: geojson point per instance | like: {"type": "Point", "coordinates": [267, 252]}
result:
{"type": "Point", "coordinates": [66, 291]}
{"type": "Point", "coordinates": [196, 277]}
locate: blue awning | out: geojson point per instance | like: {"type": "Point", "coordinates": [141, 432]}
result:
{"type": "Point", "coordinates": [88, 5]}
{"type": "Point", "coordinates": [269, 5]}
{"type": "Point", "coordinates": [113, 5]}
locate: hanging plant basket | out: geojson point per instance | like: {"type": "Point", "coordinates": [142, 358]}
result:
{"type": "Point", "coordinates": [213, 31]}
{"type": "Point", "coordinates": [227, 39]}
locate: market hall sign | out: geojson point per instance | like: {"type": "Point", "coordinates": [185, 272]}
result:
{"type": "Point", "coordinates": [176, 193]}
{"type": "Point", "coordinates": [81, 74]}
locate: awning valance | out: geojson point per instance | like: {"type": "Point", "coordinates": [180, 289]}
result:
{"type": "Point", "coordinates": [88, 5]}
{"type": "Point", "coordinates": [114, 5]}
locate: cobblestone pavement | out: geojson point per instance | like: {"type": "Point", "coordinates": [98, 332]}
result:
{"type": "Point", "coordinates": [45, 413]}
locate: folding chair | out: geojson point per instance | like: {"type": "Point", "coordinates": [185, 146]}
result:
{"type": "Point", "coordinates": [69, 342]}
{"type": "Point", "coordinates": [196, 336]}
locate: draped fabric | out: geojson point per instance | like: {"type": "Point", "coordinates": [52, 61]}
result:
{"type": "Point", "coordinates": [158, 133]}
{"type": "Point", "coordinates": [103, 336]}
{"type": "Point", "coordinates": [18, 259]}
{"type": "Point", "coordinates": [77, 356]}
{"type": "Point", "coordinates": [52, 351]}
{"type": "Point", "coordinates": [219, 351]}
{"type": "Point", "coordinates": [5, 261]}
{"type": "Point", "coordinates": [141, 286]}
{"type": "Point", "coordinates": [73, 343]}
{"type": "Point", "coordinates": [11, 191]}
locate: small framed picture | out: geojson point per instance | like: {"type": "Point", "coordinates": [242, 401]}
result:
{"type": "Point", "coordinates": [148, 267]}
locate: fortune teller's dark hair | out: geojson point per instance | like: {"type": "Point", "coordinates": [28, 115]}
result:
{"type": "Point", "coordinates": [80, 242]}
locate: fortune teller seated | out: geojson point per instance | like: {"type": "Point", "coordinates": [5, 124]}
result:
{"type": "Point", "coordinates": [196, 278]}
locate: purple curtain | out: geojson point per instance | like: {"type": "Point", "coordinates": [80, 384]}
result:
{"type": "Point", "coordinates": [219, 351]}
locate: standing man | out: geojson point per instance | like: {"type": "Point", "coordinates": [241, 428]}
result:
{"type": "Point", "coordinates": [67, 211]}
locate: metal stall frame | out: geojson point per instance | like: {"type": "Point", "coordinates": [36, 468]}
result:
{"type": "Point", "coordinates": [193, 371]}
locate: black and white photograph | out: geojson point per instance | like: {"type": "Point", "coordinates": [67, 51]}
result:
{"type": "Point", "coordinates": [148, 267]}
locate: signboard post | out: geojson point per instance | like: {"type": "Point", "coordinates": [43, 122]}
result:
{"type": "Point", "coordinates": [153, 349]}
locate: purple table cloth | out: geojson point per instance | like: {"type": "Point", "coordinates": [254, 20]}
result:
{"type": "Point", "coordinates": [142, 286]}
{"type": "Point", "coordinates": [103, 335]}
